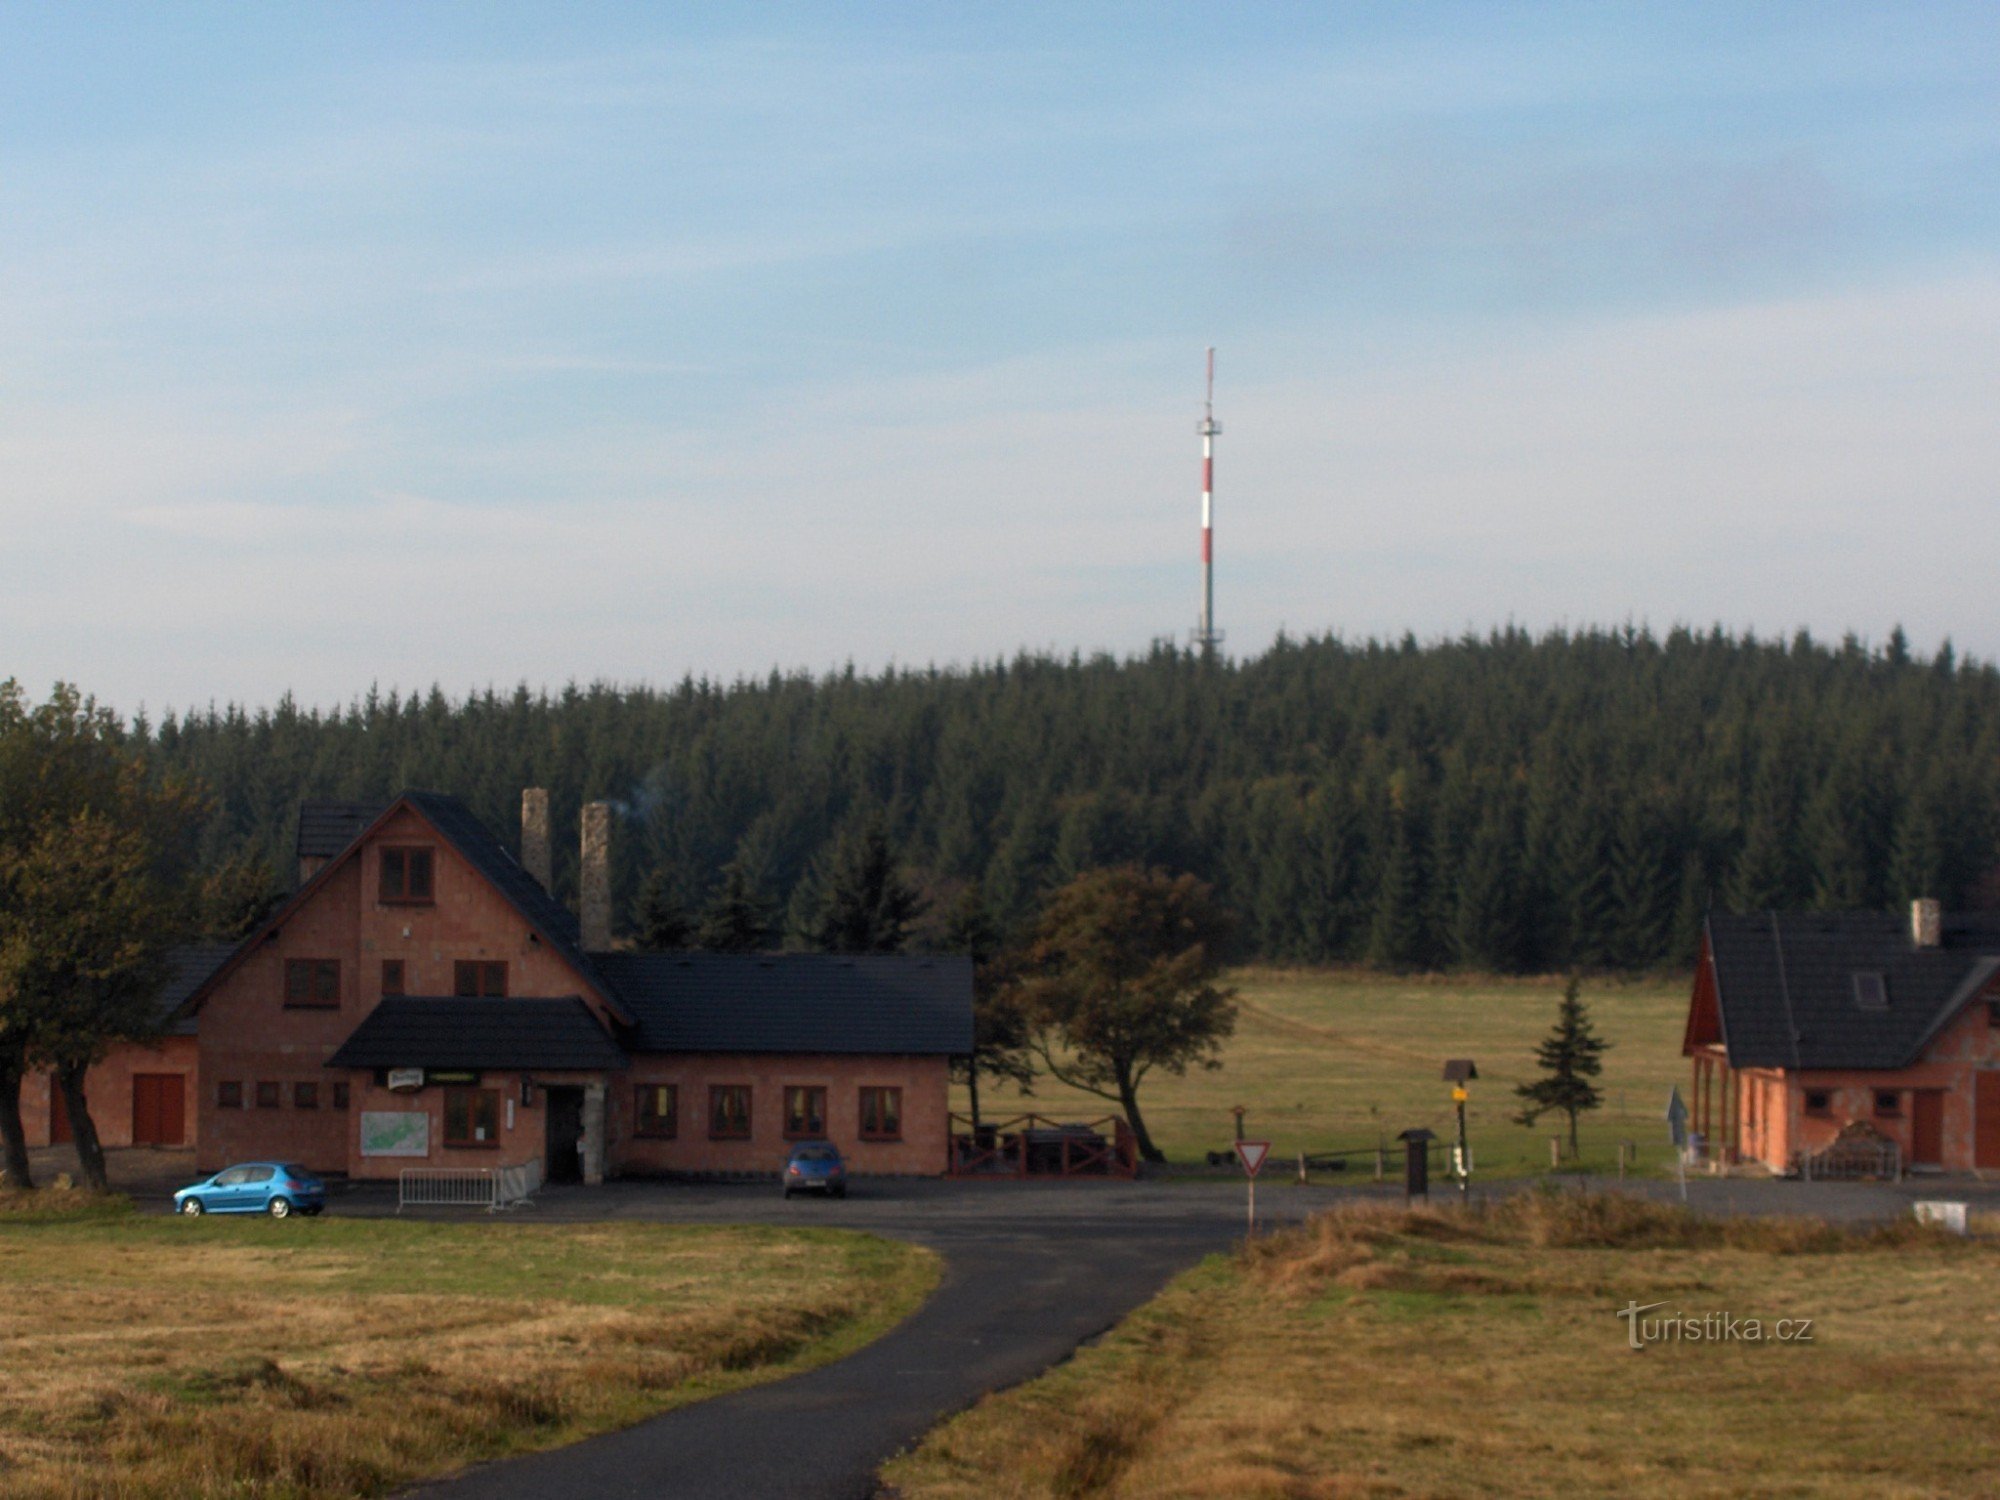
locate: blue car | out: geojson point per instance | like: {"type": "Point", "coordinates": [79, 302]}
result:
{"type": "Point", "coordinates": [815, 1167]}
{"type": "Point", "coordinates": [277, 1188]}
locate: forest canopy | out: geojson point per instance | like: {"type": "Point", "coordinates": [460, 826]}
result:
{"type": "Point", "coordinates": [1512, 802]}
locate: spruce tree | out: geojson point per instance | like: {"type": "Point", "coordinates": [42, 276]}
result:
{"type": "Point", "coordinates": [1571, 1055]}
{"type": "Point", "coordinates": [865, 905]}
{"type": "Point", "coordinates": [659, 920]}
{"type": "Point", "coordinates": [737, 918]}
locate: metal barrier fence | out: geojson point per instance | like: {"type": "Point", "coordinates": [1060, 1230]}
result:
{"type": "Point", "coordinates": [467, 1187]}
{"type": "Point", "coordinates": [1848, 1161]}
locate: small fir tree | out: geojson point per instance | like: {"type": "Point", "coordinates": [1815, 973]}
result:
{"type": "Point", "coordinates": [738, 918]}
{"type": "Point", "coordinates": [662, 922]}
{"type": "Point", "coordinates": [866, 906]}
{"type": "Point", "coordinates": [1571, 1055]}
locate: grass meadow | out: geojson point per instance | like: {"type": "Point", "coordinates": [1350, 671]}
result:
{"type": "Point", "coordinates": [1460, 1353]}
{"type": "Point", "coordinates": [162, 1357]}
{"type": "Point", "coordinates": [1329, 1060]}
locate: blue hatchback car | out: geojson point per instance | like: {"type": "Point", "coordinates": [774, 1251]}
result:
{"type": "Point", "coordinates": [815, 1167]}
{"type": "Point", "coordinates": [277, 1188]}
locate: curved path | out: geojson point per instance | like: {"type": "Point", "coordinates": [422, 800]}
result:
{"type": "Point", "coordinates": [1030, 1273]}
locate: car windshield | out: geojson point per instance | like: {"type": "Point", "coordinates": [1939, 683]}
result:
{"type": "Point", "coordinates": [816, 1154]}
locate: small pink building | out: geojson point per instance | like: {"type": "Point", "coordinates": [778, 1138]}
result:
{"type": "Point", "coordinates": [421, 1000]}
{"type": "Point", "coordinates": [1803, 1025]}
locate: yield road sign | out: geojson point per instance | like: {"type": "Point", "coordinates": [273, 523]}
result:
{"type": "Point", "coordinates": [1252, 1154]}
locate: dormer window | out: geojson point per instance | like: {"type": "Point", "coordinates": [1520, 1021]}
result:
{"type": "Point", "coordinates": [406, 877]}
{"type": "Point", "coordinates": [1870, 993]}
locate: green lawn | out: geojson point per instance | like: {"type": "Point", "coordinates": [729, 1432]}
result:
{"type": "Point", "coordinates": [1331, 1059]}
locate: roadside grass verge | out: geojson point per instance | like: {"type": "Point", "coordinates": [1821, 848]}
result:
{"type": "Point", "coordinates": [341, 1357]}
{"type": "Point", "coordinates": [1383, 1352]}
{"type": "Point", "coordinates": [1333, 1059]}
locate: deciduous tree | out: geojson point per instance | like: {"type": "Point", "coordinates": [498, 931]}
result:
{"type": "Point", "coordinates": [1121, 979]}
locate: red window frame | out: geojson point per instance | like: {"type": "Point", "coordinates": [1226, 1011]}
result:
{"type": "Point", "coordinates": [881, 1113]}
{"type": "Point", "coordinates": [312, 984]}
{"type": "Point", "coordinates": [729, 1112]}
{"type": "Point", "coordinates": [392, 977]}
{"type": "Point", "coordinates": [466, 1112]}
{"type": "Point", "coordinates": [406, 875]}
{"type": "Point", "coordinates": [479, 978]}
{"type": "Point", "coordinates": [656, 1111]}
{"type": "Point", "coordinates": [805, 1112]}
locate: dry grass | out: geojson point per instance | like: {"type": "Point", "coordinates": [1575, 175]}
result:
{"type": "Point", "coordinates": [1336, 1058]}
{"type": "Point", "coordinates": [1443, 1353]}
{"type": "Point", "coordinates": [150, 1357]}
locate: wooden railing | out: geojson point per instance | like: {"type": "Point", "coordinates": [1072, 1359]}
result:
{"type": "Point", "coordinates": [1038, 1146]}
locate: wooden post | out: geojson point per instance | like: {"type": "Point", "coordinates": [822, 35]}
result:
{"type": "Point", "coordinates": [1623, 1147]}
{"type": "Point", "coordinates": [1302, 1169]}
{"type": "Point", "coordinates": [1555, 1151]}
{"type": "Point", "coordinates": [1381, 1161]}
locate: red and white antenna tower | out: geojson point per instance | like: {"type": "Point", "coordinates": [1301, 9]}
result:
{"type": "Point", "coordinates": [1206, 636]}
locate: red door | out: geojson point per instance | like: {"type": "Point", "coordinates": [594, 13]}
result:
{"type": "Point", "coordinates": [58, 1115]}
{"type": "Point", "coordinates": [158, 1107]}
{"type": "Point", "coordinates": [1986, 1120]}
{"type": "Point", "coordinates": [1927, 1127]}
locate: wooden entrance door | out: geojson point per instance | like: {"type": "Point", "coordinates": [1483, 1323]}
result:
{"type": "Point", "coordinates": [58, 1115]}
{"type": "Point", "coordinates": [158, 1109]}
{"type": "Point", "coordinates": [1986, 1120]}
{"type": "Point", "coordinates": [1927, 1128]}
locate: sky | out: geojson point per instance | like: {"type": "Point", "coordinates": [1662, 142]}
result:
{"type": "Point", "coordinates": [352, 345]}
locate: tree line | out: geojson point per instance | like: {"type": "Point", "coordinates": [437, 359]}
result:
{"type": "Point", "coordinates": [1509, 802]}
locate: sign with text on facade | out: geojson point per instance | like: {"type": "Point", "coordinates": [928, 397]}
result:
{"type": "Point", "coordinates": [401, 1079]}
{"type": "Point", "coordinates": [395, 1133]}
{"type": "Point", "coordinates": [1252, 1154]}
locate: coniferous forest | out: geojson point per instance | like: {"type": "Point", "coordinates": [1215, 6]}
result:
{"type": "Point", "coordinates": [1513, 802]}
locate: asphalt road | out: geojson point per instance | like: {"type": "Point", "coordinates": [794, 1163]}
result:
{"type": "Point", "coordinates": [1031, 1272]}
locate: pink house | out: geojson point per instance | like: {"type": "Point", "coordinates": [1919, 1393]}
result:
{"type": "Point", "coordinates": [1805, 1025]}
{"type": "Point", "coordinates": [421, 1000]}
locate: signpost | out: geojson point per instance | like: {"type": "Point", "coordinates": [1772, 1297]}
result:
{"type": "Point", "coordinates": [1459, 1071]}
{"type": "Point", "coordinates": [1677, 1129]}
{"type": "Point", "coordinates": [1252, 1154]}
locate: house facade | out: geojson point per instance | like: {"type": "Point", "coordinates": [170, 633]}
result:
{"type": "Point", "coordinates": [1805, 1027]}
{"type": "Point", "coordinates": [421, 1000]}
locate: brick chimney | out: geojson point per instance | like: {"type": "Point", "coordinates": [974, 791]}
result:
{"type": "Point", "coordinates": [535, 834]}
{"type": "Point", "coordinates": [1926, 923]}
{"type": "Point", "coordinates": [594, 893]}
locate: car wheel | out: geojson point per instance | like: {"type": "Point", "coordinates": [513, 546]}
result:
{"type": "Point", "coordinates": [279, 1208]}
{"type": "Point", "coordinates": [193, 1207]}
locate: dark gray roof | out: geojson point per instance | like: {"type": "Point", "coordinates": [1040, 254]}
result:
{"type": "Point", "coordinates": [795, 1002]}
{"type": "Point", "coordinates": [1785, 986]}
{"type": "Point", "coordinates": [424, 1032]}
{"type": "Point", "coordinates": [188, 967]}
{"type": "Point", "coordinates": [326, 828]}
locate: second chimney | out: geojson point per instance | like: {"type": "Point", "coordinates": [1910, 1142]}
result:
{"type": "Point", "coordinates": [594, 883]}
{"type": "Point", "coordinates": [535, 833]}
{"type": "Point", "coordinates": [1926, 923]}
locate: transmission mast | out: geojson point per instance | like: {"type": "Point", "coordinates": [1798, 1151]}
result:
{"type": "Point", "coordinates": [1206, 636]}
